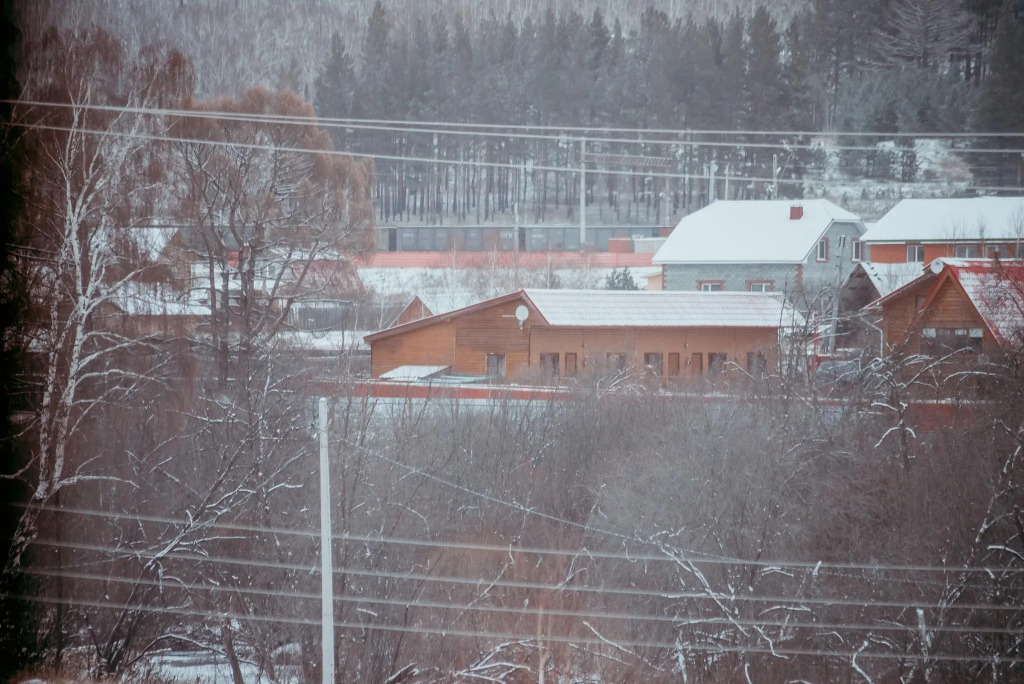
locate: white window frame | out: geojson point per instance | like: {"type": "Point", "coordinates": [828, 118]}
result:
{"type": "Point", "coordinates": [856, 250]}
{"type": "Point", "coordinates": [761, 286]}
{"type": "Point", "coordinates": [821, 252]}
{"type": "Point", "coordinates": [915, 250]}
{"type": "Point", "coordinates": [961, 251]}
{"type": "Point", "coordinates": [709, 286]}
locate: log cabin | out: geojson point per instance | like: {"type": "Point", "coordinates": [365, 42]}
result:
{"type": "Point", "coordinates": [550, 336]}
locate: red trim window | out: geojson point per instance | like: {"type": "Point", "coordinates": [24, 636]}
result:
{"type": "Point", "coordinates": [760, 285]}
{"type": "Point", "coordinates": [710, 285]}
{"type": "Point", "coordinates": [821, 254]}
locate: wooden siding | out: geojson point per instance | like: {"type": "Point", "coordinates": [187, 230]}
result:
{"type": "Point", "coordinates": [464, 342]}
{"type": "Point", "coordinates": [949, 308]}
{"type": "Point", "coordinates": [431, 345]}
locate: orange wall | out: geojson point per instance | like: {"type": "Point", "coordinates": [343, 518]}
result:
{"type": "Point", "coordinates": [896, 253]}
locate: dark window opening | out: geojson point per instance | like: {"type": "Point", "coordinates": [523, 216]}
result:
{"type": "Point", "coordinates": [756, 364]}
{"type": "Point", "coordinates": [716, 363]}
{"type": "Point", "coordinates": [673, 364]}
{"type": "Point", "coordinates": [549, 365]}
{"type": "Point", "coordinates": [616, 362]}
{"type": "Point", "coordinates": [496, 365]}
{"type": "Point", "coordinates": [570, 365]}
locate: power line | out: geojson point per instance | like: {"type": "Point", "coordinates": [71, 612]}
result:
{"type": "Point", "coordinates": [527, 638]}
{"type": "Point", "coordinates": [171, 584]}
{"type": "Point", "coordinates": [418, 127]}
{"type": "Point", "coordinates": [582, 130]}
{"type": "Point", "coordinates": [533, 550]}
{"type": "Point", "coordinates": [516, 584]}
{"type": "Point", "coordinates": [499, 165]}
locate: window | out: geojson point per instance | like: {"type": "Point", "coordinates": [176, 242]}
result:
{"type": "Point", "coordinates": [915, 253]}
{"type": "Point", "coordinates": [570, 365]}
{"type": "Point", "coordinates": [652, 362]}
{"type": "Point", "coordinates": [761, 286]}
{"type": "Point", "coordinates": [822, 252]}
{"type": "Point", "coordinates": [756, 364]}
{"type": "Point", "coordinates": [496, 365]}
{"type": "Point", "coordinates": [945, 340]}
{"type": "Point", "coordinates": [857, 253]}
{"type": "Point", "coordinates": [616, 362]}
{"type": "Point", "coordinates": [549, 365]}
{"type": "Point", "coordinates": [673, 364]}
{"type": "Point", "coordinates": [919, 301]}
{"type": "Point", "coordinates": [710, 285]}
{"type": "Point", "coordinates": [716, 362]}
{"type": "Point", "coordinates": [1020, 250]}
{"type": "Point", "coordinates": [966, 251]}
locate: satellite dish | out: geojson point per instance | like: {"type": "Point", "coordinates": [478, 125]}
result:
{"type": "Point", "coordinates": [522, 313]}
{"type": "Point", "coordinates": [937, 266]}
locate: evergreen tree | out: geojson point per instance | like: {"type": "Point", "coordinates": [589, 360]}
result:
{"type": "Point", "coordinates": [335, 87]}
{"type": "Point", "coordinates": [620, 280]}
{"type": "Point", "coordinates": [1001, 104]}
{"type": "Point", "coordinates": [764, 71]}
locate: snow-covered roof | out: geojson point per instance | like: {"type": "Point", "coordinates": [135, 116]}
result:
{"type": "Point", "coordinates": [947, 220]}
{"type": "Point", "coordinates": [750, 231]}
{"type": "Point", "coordinates": [443, 301]}
{"type": "Point", "coordinates": [888, 277]}
{"type": "Point", "coordinates": [657, 309]}
{"type": "Point", "coordinates": [151, 241]}
{"type": "Point", "coordinates": [997, 292]}
{"type": "Point", "coordinates": [323, 341]}
{"type": "Point", "coordinates": [414, 372]}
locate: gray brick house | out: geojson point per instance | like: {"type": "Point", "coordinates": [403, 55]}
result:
{"type": "Point", "coordinates": [799, 247]}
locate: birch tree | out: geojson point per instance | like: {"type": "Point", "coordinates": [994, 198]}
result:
{"type": "Point", "coordinates": [91, 175]}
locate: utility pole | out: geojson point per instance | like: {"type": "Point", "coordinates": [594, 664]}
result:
{"type": "Point", "coordinates": [515, 242]}
{"type": "Point", "coordinates": [775, 176]}
{"type": "Point", "coordinates": [326, 562]}
{"type": "Point", "coordinates": [583, 194]}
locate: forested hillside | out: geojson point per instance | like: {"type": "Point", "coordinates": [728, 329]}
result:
{"type": "Point", "coordinates": [800, 71]}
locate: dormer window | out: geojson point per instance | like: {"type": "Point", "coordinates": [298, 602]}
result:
{"type": "Point", "coordinates": [822, 251]}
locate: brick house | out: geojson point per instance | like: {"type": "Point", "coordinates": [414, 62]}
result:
{"type": "Point", "coordinates": [923, 230]}
{"type": "Point", "coordinates": [975, 304]}
{"type": "Point", "coordinates": [796, 247]}
{"type": "Point", "coordinates": [546, 335]}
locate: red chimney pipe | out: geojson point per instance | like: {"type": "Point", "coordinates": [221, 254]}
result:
{"type": "Point", "coordinates": [796, 212]}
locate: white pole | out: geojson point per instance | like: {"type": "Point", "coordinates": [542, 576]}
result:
{"type": "Point", "coordinates": [326, 564]}
{"type": "Point", "coordinates": [583, 194]}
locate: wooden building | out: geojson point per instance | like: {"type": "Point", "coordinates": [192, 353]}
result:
{"type": "Point", "coordinates": [975, 304]}
{"type": "Point", "coordinates": [547, 336]}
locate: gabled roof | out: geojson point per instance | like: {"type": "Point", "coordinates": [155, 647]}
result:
{"type": "Point", "coordinates": [636, 309]}
{"type": "Point", "coordinates": [885, 277]}
{"type": "Point", "coordinates": [950, 220]}
{"type": "Point", "coordinates": [750, 231]}
{"type": "Point", "coordinates": [994, 287]}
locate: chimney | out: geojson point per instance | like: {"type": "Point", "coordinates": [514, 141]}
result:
{"type": "Point", "coordinates": [796, 212]}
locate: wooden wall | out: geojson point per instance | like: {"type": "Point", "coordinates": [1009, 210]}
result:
{"type": "Point", "coordinates": [950, 308]}
{"type": "Point", "coordinates": [465, 341]}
